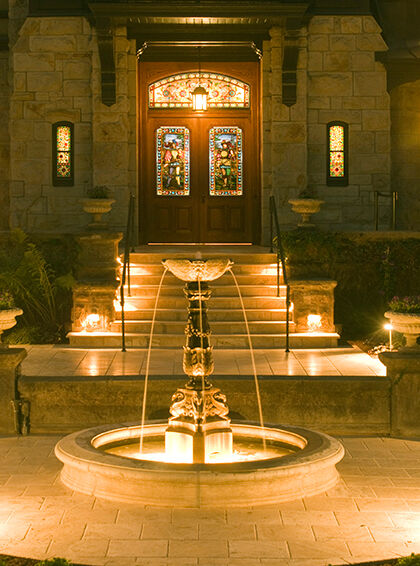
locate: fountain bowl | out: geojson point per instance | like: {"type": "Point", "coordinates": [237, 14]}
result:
{"type": "Point", "coordinates": [307, 468]}
{"type": "Point", "coordinates": [198, 270]}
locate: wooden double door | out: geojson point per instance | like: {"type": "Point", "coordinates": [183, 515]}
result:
{"type": "Point", "coordinates": [218, 207]}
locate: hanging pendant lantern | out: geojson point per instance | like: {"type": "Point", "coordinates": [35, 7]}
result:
{"type": "Point", "coordinates": [199, 94]}
{"type": "Point", "coordinates": [199, 99]}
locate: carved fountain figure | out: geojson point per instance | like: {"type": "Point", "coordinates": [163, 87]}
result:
{"type": "Point", "coordinates": [199, 427]}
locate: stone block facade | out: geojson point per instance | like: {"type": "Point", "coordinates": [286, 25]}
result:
{"type": "Point", "coordinates": [55, 74]}
{"type": "Point", "coordinates": [338, 79]}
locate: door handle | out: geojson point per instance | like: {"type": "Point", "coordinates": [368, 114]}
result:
{"type": "Point", "coordinates": [203, 199]}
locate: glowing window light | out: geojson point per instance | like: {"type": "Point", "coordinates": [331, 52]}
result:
{"type": "Point", "coordinates": [337, 153]}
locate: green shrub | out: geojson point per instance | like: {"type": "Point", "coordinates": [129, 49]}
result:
{"type": "Point", "coordinates": [405, 304]}
{"type": "Point", "coordinates": [6, 302]}
{"type": "Point", "coordinates": [39, 275]}
{"type": "Point", "coordinates": [54, 562]}
{"type": "Point", "coordinates": [370, 269]}
{"type": "Point", "coordinates": [412, 560]}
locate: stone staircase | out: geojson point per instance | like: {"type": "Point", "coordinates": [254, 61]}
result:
{"type": "Point", "coordinates": [256, 272]}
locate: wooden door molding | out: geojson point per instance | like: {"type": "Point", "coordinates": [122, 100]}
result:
{"type": "Point", "coordinates": [199, 217]}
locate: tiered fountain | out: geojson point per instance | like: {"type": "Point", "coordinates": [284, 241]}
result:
{"type": "Point", "coordinates": [199, 458]}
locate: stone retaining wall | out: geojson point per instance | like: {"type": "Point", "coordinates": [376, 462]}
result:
{"type": "Point", "coordinates": [346, 405]}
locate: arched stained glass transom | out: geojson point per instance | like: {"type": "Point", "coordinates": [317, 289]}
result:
{"type": "Point", "coordinates": [176, 91]}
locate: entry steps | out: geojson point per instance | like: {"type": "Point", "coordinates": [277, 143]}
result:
{"type": "Point", "coordinates": [256, 274]}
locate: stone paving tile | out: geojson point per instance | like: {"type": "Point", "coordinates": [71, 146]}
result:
{"type": "Point", "coordinates": [274, 532]}
{"type": "Point", "coordinates": [202, 548]}
{"type": "Point", "coordinates": [146, 548]}
{"type": "Point", "coordinates": [66, 361]}
{"type": "Point", "coordinates": [357, 533]}
{"type": "Point", "coordinates": [74, 550]}
{"type": "Point", "coordinates": [156, 530]}
{"type": "Point", "coordinates": [364, 551]}
{"type": "Point", "coordinates": [258, 549]}
{"type": "Point", "coordinates": [309, 518]}
{"type": "Point", "coordinates": [330, 549]}
{"type": "Point", "coordinates": [240, 531]}
{"type": "Point", "coordinates": [100, 532]}
{"type": "Point", "coordinates": [267, 514]}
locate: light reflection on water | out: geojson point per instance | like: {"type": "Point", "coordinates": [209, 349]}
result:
{"type": "Point", "coordinates": [244, 450]}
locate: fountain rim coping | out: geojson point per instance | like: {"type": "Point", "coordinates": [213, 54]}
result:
{"type": "Point", "coordinates": [78, 447]}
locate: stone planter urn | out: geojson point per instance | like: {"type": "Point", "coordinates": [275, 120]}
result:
{"type": "Point", "coordinates": [306, 207]}
{"type": "Point", "coordinates": [8, 319]}
{"type": "Point", "coordinates": [97, 207]}
{"type": "Point", "coordinates": [408, 324]}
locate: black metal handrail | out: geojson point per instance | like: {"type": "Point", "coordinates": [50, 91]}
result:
{"type": "Point", "coordinates": [125, 275]}
{"type": "Point", "coordinates": [392, 195]}
{"type": "Point", "coordinates": [274, 223]}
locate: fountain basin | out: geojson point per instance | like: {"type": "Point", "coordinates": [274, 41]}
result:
{"type": "Point", "coordinates": [299, 463]}
{"type": "Point", "coordinates": [190, 270]}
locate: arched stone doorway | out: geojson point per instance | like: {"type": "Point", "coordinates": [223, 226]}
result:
{"type": "Point", "coordinates": [199, 174]}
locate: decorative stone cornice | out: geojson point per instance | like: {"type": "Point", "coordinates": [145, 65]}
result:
{"type": "Point", "coordinates": [105, 34]}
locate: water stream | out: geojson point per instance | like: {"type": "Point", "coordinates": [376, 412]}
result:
{"type": "Point", "coordinates": [203, 379]}
{"type": "Point", "coordinates": [251, 349]}
{"type": "Point", "coordinates": [146, 375]}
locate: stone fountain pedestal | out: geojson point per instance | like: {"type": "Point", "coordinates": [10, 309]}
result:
{"type": "Point", "coordinates": [199, 428]}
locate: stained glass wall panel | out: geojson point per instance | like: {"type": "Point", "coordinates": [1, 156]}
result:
{"type": "Point", "coordinates": [336, 150]}
{"type": "Point", "coordinates": [63, 151]}
{"type": "Point", "coordinates": [172, 161]}
{"type": "Point", "coordinates": [176, 91]}
{"type": "Point", "coordinates": [225, 161]}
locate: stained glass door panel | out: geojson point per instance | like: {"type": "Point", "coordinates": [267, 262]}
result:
{"type": "Point", "coordinates": [172, 161]}
{"type": "Point", "coordinates": [225, 161]}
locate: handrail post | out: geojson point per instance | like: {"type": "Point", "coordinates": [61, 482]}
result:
{"type": "Point", "coordinates": [287, 350]}
{"type": "Point", "coordinates": [394, 209]}
{"type": "Point", "coordinates": [281, 258]}
{"type": "Point", "coordinates": [126, 266]}
{"type": "Point", "coordinates": [271, 224]}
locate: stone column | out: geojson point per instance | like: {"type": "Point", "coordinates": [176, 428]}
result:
{"type": "Point", "coordinates": [403, 370]}
{"type": "Point", "coordinates": [97, 279]}
{"type": "Point", "coordinates": [10, 360]}
{"type": "Point", "coordinates": [316, 297]}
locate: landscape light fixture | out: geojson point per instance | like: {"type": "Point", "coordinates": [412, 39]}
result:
{"type": "Point", "coordinates": [388, 326]}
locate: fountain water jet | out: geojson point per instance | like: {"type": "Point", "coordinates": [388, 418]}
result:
{"type": "Point", "coordinates": [199, 458]}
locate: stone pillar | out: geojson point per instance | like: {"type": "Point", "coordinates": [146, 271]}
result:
{"type": "Point", "coordinates": [97, 280]}
{"type": "Point", "coordinates": [10, 360]}
{"type": "Point", "coordinates": [313, 297]}
{"type": "Point", "coordinates": [403, 370]}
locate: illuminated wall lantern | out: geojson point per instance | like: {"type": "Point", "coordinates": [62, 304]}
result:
{"type": "Point", "coordinates": [314, 322]}
{"type": "Point", "coordinates": [94, 322]}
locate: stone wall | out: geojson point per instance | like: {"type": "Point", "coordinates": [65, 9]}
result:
{"type": "Point", "coordinates": [284, 132]}
{"type": "Point", "coordinates": [405, 114]}
{"type": "Point", "coordinates": [337, 79]}
{"type": "Point", "coordinates": [346, 83]}
{"type": "Point", "coordinates": [4, 141]}
{"type": "Point", "coordinates": [336, 405]}
{"type": "Point", "coordinates": [57, 77]}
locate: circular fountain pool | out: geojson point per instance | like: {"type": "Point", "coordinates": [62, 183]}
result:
{"type": "Point", "coordinates": [105, 462]}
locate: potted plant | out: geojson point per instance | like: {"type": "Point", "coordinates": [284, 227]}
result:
{"type": "Point", "coordinates": [404, 315]}
{"type": "Point", "coordinates": [8, 312]}
{"type": "Point", "coordinates": [97, 204]}
{"type": "Point", "coordinates": [306, 204]}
